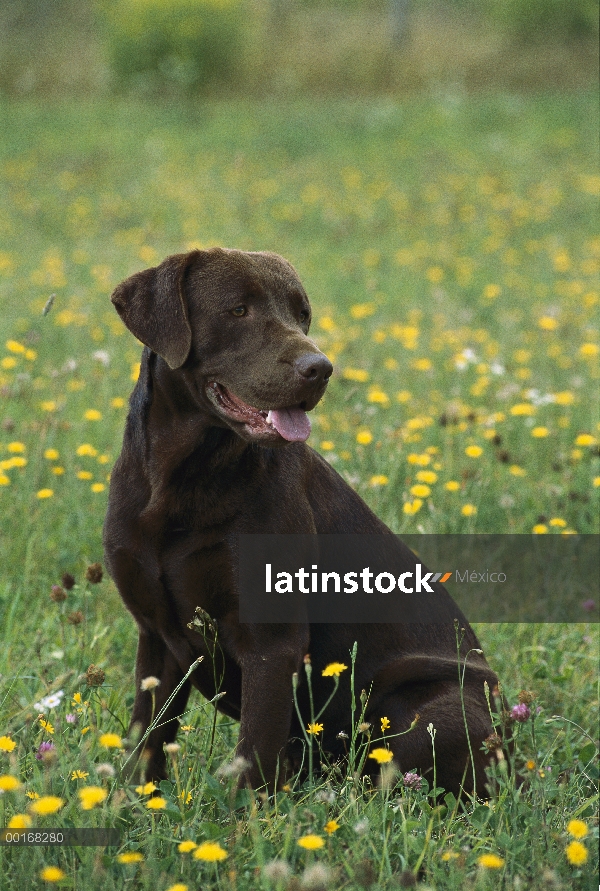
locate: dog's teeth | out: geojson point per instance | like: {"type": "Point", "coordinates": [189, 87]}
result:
{"type": "Point", "coordinates": [268, 419]}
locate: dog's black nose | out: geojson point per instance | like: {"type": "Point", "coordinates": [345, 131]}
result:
{"type": "Point", "coordinates": [315, 367]}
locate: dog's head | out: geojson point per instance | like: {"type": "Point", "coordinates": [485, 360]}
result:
{"type": "Point", "coordinates": [237, 323]}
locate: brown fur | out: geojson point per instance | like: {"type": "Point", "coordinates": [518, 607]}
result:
{"type": "Point", "coordinates": [189, 480]}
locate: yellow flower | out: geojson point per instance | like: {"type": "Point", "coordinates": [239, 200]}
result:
{"type": "Point", "coordinates": [52, 874]}
{"type": "Point", "coordinates": [84, 475]}
{"type": "Point", "coordinates": [522, 408]}
{"type": "Point", "coordinates": [540, 432]}
{"type": "Point", "coordinates": [412, 507]}
{"type": "Point", "coordinates": [379, 480]}
{"type": "Point", "coordinates": [421, 460]}
{"type": "Point", "coordinates": [364, 437]}
{"type": "Point", "coordinates": [92, 414]}
{"type": "Point", "coordinates": [334, 669]}
{"type": "Point", "coordinates": [186, 846]}
{"type": "Point", "coordinates": [117, 402]}
{"type": "Point", "coordinates": [311, 842]}
{"type": "Point", "coordinates": [156, 804]}
{"type": "Point", "coordinates": [9, 783]}
{"type": "Point", "coordinates": [530, 765]}
{"type": "Point", "coordinates": [577, 828]}
{"type": "Point", "coordinates": [58, 471]}
{"type": "Point", "coordinates": [146, 789]}
{"type": "Point", "coordinates": [492, 291]}
{"type": "Point", "coordinates": [422, 364]}
{"type": "Point", "coordinates": [355, 374]}
{"type": "Point", "coordinates": [314, 728]}
{"type": "Point", "coordinates": [565, 397]}
{"type": "Point", "coordinates": [51, 454]}
{"type": "Point", "coordinates": [376, 394]}
{"type": "Point", "coordinates": [86, 450]}
{"type": "Point", "coordinates": [13, 346]}
{"type": "Point", "coordinates": [46, 725]}
{"type": "Point", "coordinates": [135, 371]}
{"type": "Point", "coordinates": [178, 886]}
{"type": "Point", "coordinates": [473, 451]}
{"type": "Point", "coordinates": [331, 827]}
{"type": "Point", "coordinates": [48, 405]}
{"type": "Point", "coordinates": [97, 487]}
{"type": "Point", "coordinates": [403, 396]}
{"type": "Point", "coordinates": [8, 362]}
{"type": "Point", "coordinates": [45, 493]}
{"type": "Point", "coordinates": [539, 529]}
{"type": "Point", "coordinates": [7, 744]}
{"type": "Point", "coordinates": [79, 775]}
{"type": "Point", "coordinates": [130, 857]}
{"type": "Point", "coordinates": [90, 796]}
{"type": "Point", "coordinates": [585, 439]}
{"type": "Point", "coordinates": [19, 821]}
{"type": "Point", "coordinates": [385, 724]}
{"type": "Point", "coordinates": [32, 795]}
{"type": "Point", "coordinates": [327, 445]}
{"type": "Point", "coordinates": [4, 480]}
{"type": "Point", "coordinates": [547, 323]}
{"type": "Point", "coordinates": [450, 855]}
{"type": "Point", "coordinates": [47, 804]}
{"type": "Point", "coordinates": [468, 510]}
{"type": "Point", "coordinates": [362, 310]}
{"type": "Point", "coordinates": [382, 756]}
{"type": "Point", "coordinates": [110, 741]}
{"type": "Point", "coordinates": [16, 447]}
{"type": "Point", "coordinates": [576, 853]}
{"type": "Point", "coordinates": [558, 521]}
{"type": "Point", "coordinates": [426, 476]}
{"type": "Point", "coordinates": [589, 350]}
{"type": "Point", "coordinates": [210, 851]}
{"type": "Point", "coordinates": [420, 490]}
{"type": "Point", "coordinates": [491, 861]}
{"type": "Point", "coordinates": [452, 486]}
{"type": "Point", "coordinates": [516, 470]}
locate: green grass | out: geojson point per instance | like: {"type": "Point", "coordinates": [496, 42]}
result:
{"type": "Point", "coordinates": [450, 252]}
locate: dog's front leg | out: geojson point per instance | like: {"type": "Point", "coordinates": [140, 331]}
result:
{"type": "Point", "coordinates": [267, 702]}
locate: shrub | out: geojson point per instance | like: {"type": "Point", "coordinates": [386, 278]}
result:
{"type": "Point", "coordinates": [180, 43]}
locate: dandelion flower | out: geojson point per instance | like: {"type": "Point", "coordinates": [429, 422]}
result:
{"type": "Point", "coordinates": [51, 455]}
{"type": "Point", "coordinates": [186, 846]}
{"type": "Point", "coordinates": [585, 439]}
{"type": "Point", "coordinates": [381, 756]}
{"type": "Point", "coordinates": [334, 669]}
{"type": "Point", "coordinates": [539, 529]}
{"type": "Point", "coordinates": [314, 728]}
{"type": "Point", "coordinates": [577, 828]}
{"type": "Point", "coordinates": [331, 826]}
{"type": "Point", "coordinates": [211, 852]}
{"type": "Point", "coordinates": [92, 414]}
{"type": "Point", "coordinates": [420, 490]}
{"type": "Point", "coordinates": [97, 487]}
{"type": "Point", "coordinates": [52, 874]}
{"type": "Point", "coordinates": [146, 789]}
{"type": "Point", "coordinates": [577, 853]}
{"type": "Point", "coordinates": [7, 744]}
{"type": "Point", "coordinates": [130, 857]}
{"type": "Point", "coordinates": [468, 510]}
{"type": "Point", "coordinates": [47, 804]}
{"type": "Point", "coordinates": [110, 741]}
{"type": "Point", "coordinates": [311, 842]}
{"type": "Point", "coordinates": [90, 796]}
{"type": "Point", "coordinates": [8, 783]}
{"type": "Point", "coordinates": [156, 804]}
{"type": "Point", "coordinates": [473, 451]}
{"type": "Point", "coordinates": [379, 480]}
{"type": "Point", "coordinates": [364, 437]}
{"type": "Point", "coordinates": [385, 724]}
{"type": "Point", "coordinates": [540, 432]}
{"type": "Point", "coordinates": [452, 486]}
{"type": "Point", "coordinates": [45, 493]}
{"type": "Point", "coordinates": [79, 775]}
{"type": "Point", "coordinates": [491, 861]}
{"type": "Point", "coordinates": [178, 886]}
{"type": "Point", "coordinates": [19, 821]}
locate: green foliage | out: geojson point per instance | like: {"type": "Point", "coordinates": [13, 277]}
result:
{"type": "Point", "coordinates": [461, 232]}
{"type": "Point", "coordinates": [184, 44]}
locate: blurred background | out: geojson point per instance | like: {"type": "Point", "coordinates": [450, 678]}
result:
{"type": "Point", "coordinates": [292, 47]}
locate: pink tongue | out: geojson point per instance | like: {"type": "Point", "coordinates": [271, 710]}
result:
{"type": "Point", "coordinates": [291, 423]}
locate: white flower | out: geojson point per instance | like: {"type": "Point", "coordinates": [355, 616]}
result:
{"type": "Point", "coordinates": [149, 683]}
{"type": "Point", "coordinates": [102, 356]}
{"type": "Point", "coordinates": [48, 702]}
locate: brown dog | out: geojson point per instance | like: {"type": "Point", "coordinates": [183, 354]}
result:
{"type": "Point", "coordinates": [214, 446]}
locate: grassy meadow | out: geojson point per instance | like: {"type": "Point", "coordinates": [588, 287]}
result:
{"type": "Point", "coordinates": [451, 253]}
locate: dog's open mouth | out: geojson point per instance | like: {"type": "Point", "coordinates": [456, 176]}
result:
{"type": "Point", "coordinates": [290, 423]}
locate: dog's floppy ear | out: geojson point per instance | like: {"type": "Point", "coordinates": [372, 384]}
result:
{"type": "Point", "coordinates": [152, 305]}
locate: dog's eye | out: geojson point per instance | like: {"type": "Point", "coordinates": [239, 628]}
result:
{"type": "Point", "coordinates": [239, 311]}
{"type": "Point", "coordinates": [304, 315]}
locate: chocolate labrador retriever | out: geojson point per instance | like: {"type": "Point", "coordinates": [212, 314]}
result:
{"type": "Point", "coordinates": [215, 446]}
